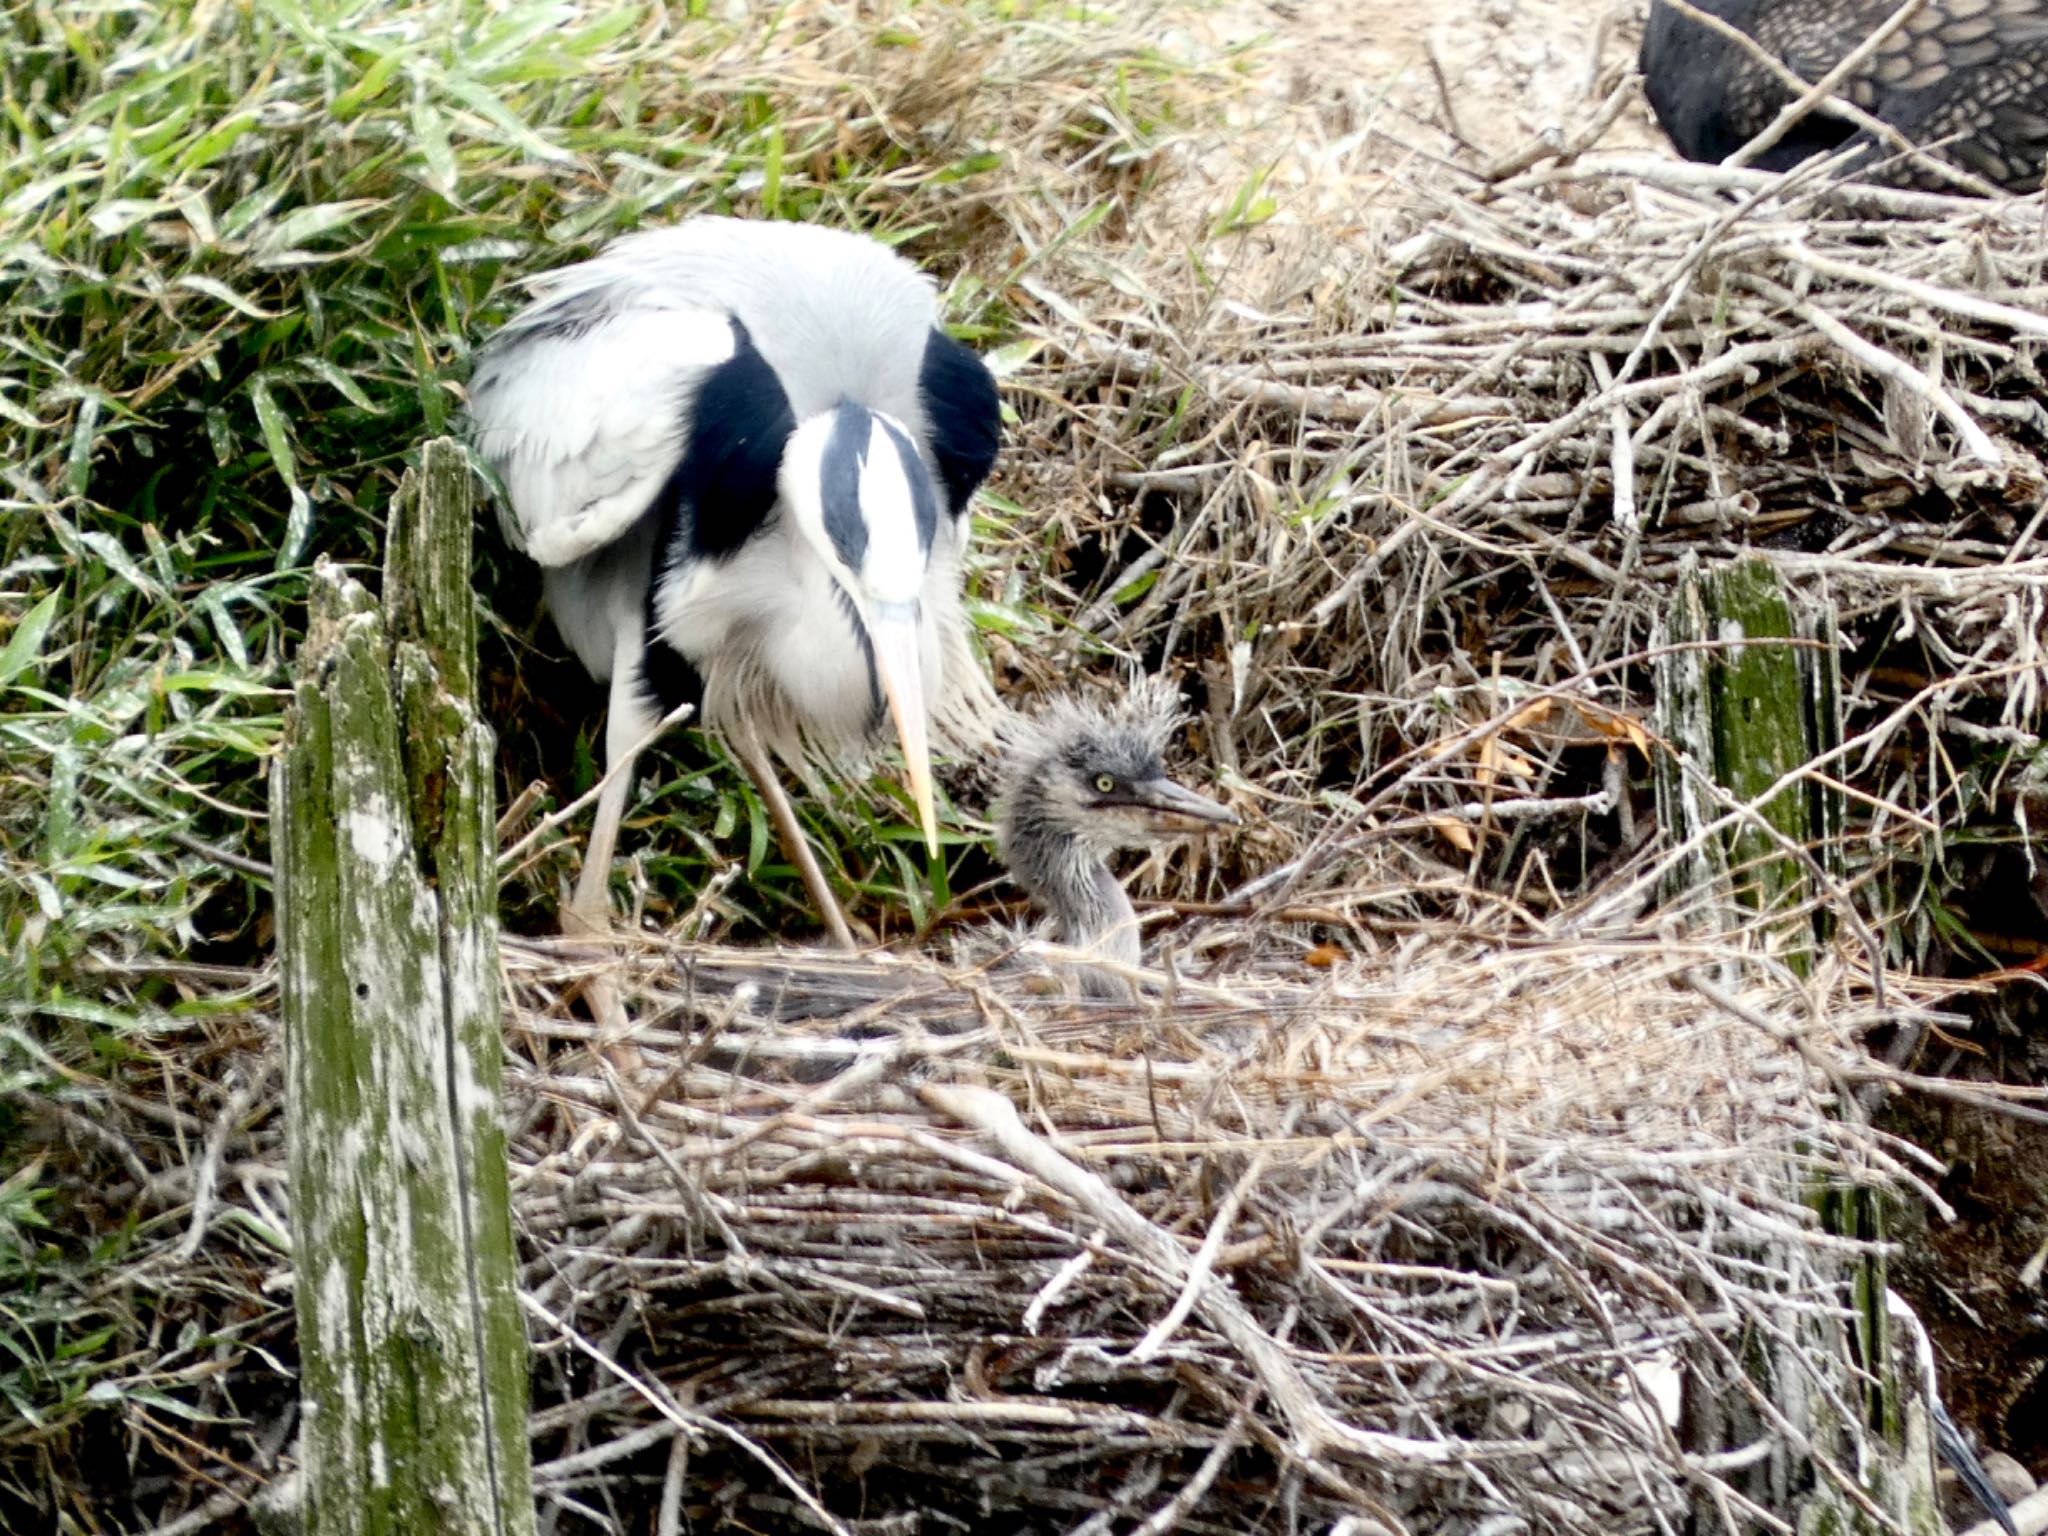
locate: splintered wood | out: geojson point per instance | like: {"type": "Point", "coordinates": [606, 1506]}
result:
{"type": "Point", "coordinates": [413, 1377]}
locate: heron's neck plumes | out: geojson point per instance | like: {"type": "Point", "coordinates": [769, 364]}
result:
{"type": "Point", "coordinates": [1060, 869]}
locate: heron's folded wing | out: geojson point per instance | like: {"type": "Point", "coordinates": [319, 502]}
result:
{"type": "Point", "coordinates": [584, 416]}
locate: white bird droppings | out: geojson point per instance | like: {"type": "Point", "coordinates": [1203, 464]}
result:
{"type": "Point", "coordinates": [373, 834]}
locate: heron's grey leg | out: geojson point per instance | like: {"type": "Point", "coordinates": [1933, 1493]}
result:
{"type": "Point", "coordinates": [589, 910]}
{"type": "Point", "coordinates": [626, 724]}
{"type": "Point", "coordinates": [762, 771]}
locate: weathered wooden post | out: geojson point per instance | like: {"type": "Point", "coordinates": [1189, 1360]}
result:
{"type": "Point", "coordinates": [413, 1354]}
{"type": "Point", "coordinates": [1746, 718]}
{"type": "Point", "coordinates": [1744, 706]}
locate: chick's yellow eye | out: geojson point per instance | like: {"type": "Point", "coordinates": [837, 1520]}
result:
{"type": "Point", "coordinates": [1104, 783]}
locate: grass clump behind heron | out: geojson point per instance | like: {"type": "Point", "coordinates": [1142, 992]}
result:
{"type": "Point", "coordinates": [244, 253]}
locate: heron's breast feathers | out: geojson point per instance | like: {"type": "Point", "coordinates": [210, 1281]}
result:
{"type": "Point", "coordinates": [780, 656]}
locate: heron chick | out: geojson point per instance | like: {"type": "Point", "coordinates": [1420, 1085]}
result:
{"type": "Point", "coordinates": [742, 452]}
{"type": "Point", "coordinates": [1081, 782]}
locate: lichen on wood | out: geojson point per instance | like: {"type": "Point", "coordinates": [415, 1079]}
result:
{"type": "Point", "coordinates": [413, 1374]}
{"type": "Point", "coordinates": [1747, 698]}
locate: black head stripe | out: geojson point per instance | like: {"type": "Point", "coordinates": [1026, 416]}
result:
{"type": "Point", "coordinates": [963, 416]}
{"type": "Point", "coordinates": [723, 490]}
{"type": "Point", "coordinates": [924, 503]}
{"type": "Point", "coordinates": [840, 488]}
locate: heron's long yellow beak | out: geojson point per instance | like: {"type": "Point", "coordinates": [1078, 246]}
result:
{"type": "Point", "coordinates": [892, 629]}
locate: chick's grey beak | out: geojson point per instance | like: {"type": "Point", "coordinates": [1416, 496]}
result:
{"type": "Point", "coordinates": [1180, 810]}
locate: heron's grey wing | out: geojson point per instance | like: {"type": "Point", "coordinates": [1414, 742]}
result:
{"type": "Point", "coordinates": [1974, 79]}
{"type": "Point", "coordinates": [584, 415]}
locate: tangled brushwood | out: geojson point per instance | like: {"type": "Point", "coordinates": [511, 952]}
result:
{"type": "Point", "coordinates": [1411, 510]}
{"type": "Point", "coordinates": [895, 1246]}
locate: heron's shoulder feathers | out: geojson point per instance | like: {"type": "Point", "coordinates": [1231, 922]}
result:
{"type": "Point", "coordinates": [584, 412]}
{"type": "Point", "coordinates": [836, 314]}
{"type": "Point", "coordinates": [963, 418]}
{"type": "Point", "coordinates": [588, 400]}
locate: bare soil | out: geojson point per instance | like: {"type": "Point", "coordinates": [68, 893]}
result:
{"type": "Point", "coordinates": [1374, 82]}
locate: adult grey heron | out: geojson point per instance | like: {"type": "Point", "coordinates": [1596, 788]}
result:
{"type": "Point", "coordinates": [1080, 782]}
{"type": "Point", "coordinates": [743, 451]}
{"type": "Point", "coordinates": [1968, 75]}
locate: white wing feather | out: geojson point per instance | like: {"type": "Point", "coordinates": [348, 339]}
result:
{"type": "Point", "coordinates": [583, 420]}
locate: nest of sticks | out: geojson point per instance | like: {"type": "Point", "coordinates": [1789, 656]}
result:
{"type": "Point", "coordinates": [889, 1245]}
{"type": "Point", "coordinates": [1403, 506]}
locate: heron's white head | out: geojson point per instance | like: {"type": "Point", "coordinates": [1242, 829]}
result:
{"type": "Point", "coordinates": [861, 497]}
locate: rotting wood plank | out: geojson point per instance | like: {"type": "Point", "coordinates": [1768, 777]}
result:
{"type": "Point", "coordinates": [1748, 696]}
{"type": "Point", "coordinates": [1741, 697]}
{"type": "Point", "coordinates": [413, 1374]}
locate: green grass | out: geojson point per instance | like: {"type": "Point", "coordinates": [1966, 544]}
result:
{"type": "Point", "coordinates": [245, 251]}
